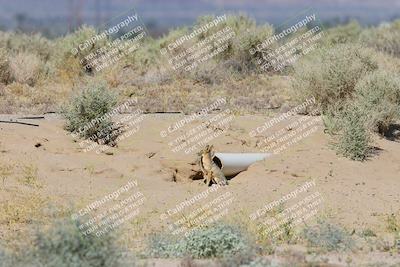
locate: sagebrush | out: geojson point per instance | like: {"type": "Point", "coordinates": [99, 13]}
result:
{"type": "Point", "coordinates": [215, 241]}
{"type": "Point", "coordinates": [64, 245]}
{"type": "Point", "coordinates": [87, 113]}
{"type": "Point", "coordinates": [327, 236]}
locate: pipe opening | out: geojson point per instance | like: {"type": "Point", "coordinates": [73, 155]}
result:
{"type": "Point", "coordinates": [217, 161]}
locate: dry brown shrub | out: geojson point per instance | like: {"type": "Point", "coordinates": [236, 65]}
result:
{"type": "Point", "coordinates": [26, 68]}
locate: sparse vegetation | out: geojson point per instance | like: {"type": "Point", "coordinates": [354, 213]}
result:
{"type": "Point", "coordinates": [22, 209]}
{"type": "Point", "coordinates": [353, 77]}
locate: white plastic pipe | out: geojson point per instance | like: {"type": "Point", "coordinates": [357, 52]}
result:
{"type": "Point", "coordinates": [233, 163]}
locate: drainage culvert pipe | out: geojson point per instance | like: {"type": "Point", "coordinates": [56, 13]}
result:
{"type": "Point", "coordinates": [234, 163]}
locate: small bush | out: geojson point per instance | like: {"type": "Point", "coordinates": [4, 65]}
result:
{"type": "Point", "coordinates": [214, 241]}
{"type": "Point", "coordinates": [385, 38]}
{"type": "Point", "coordinates": [86, 113]}
{"type": "Point", "coordinates": [327, 236]}
{"type": "Point", "coordinates": [26, 68]}
{"type": "Point", "coordinates": [64, 245]}
{"type": "Point", "coordinates": [375, 106]}
{"type": "Point", "coordinates": [378, 97]}
{"type": "Point", "coordinates": [332, 74]}
{"type": "Point", "coordinates": [354, 138]}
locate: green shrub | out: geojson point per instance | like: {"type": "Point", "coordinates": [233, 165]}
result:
{"type": "Point", "coordinates": [217, 241]}
{"type": "Point", "coordinates": [331, 74]}
{"type": "Point", "coordinates": [327, 236]}
{"type": "Point", "coordinates": [214, 241]}
{"type": "Point", "coordinates": [87, 113]}
{"type": "Point", "coordinates": [378, 97]}
{"type": "Point", "coordinates": [374, 106]}
{"type": "Point", "coordinates": [64, 245]}
{"type": "Point", "coordinates": [385, 38]}
{"type": "Point", "coordinates": [165, 246]}
{"type": "Point", "coordinates": [354, 138]}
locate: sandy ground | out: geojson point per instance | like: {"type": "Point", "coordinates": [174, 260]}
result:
{"type": "Point", "coordinates": [356, 195]}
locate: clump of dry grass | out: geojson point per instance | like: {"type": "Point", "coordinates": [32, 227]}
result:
{"type": "Point", "coordinates": [26, 68]}
{"type": "Point", "coordinates": [17, 97]}
{"type": "Point", "coordinates": [6, 170]}
{"type": "Point", "coordinates": [21, 208]}
{"type": "Point", "coordinates": [30, 175]}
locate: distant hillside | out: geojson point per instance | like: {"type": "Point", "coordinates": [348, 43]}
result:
{"type": "Point", "coordinates": [56, 17]}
